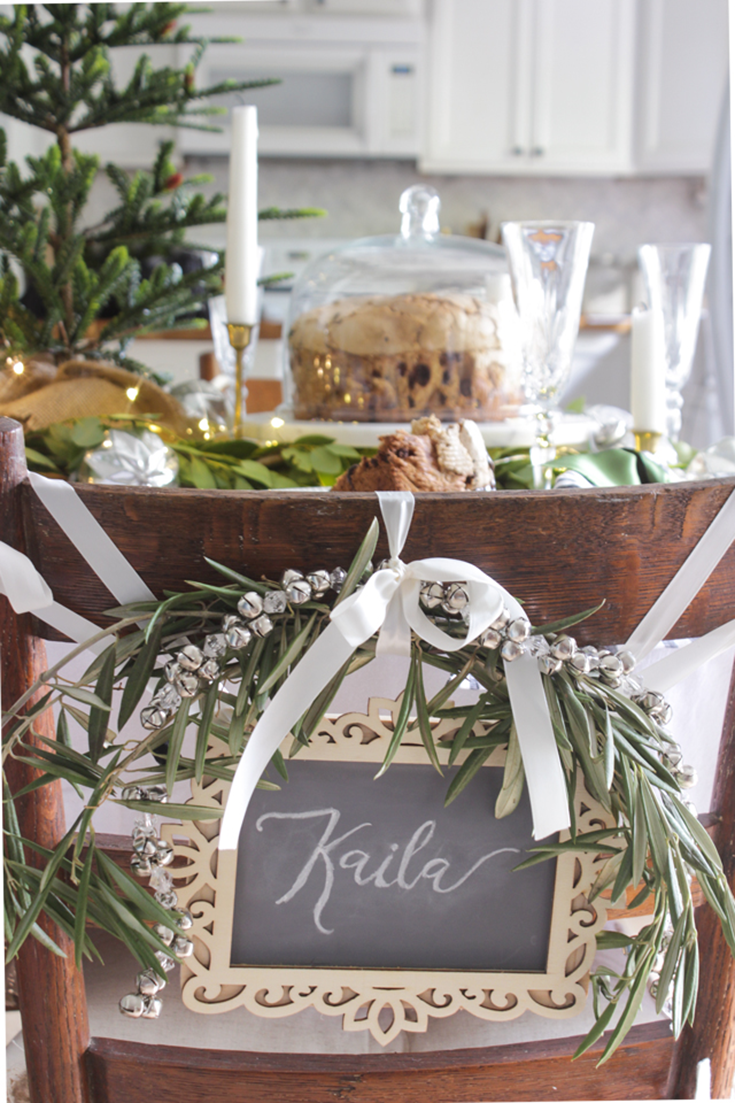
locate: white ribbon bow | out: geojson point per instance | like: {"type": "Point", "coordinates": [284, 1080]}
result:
{"type": "Point", "coordinates": [389, 604]}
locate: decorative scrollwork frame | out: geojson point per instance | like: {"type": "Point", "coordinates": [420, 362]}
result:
{"type": "Point", "coordinates": [206, 885]}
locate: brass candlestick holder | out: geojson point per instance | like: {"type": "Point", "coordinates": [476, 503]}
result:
{"type": "Point", "coordinates": [239, 339]}
{"type": "Point", "coordinates": [646, 441]}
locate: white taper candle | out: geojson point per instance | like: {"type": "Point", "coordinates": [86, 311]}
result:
{"type": "Point", "coordinates": [241, 258]}
{"type": "Point", "coordinates": [647, 371]}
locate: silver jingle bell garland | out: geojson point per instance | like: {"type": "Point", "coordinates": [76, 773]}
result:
{"type": "Point", "coordinates": [194, 665]}
{"type": "Point", "coordinates": [151, 854]}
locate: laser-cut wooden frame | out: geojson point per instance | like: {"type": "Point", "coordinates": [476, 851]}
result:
{"type": "Point", "coordinates": [210, 984]}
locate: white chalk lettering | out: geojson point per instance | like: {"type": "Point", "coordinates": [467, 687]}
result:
{"type": "Point", "coordinates": [356, 861]}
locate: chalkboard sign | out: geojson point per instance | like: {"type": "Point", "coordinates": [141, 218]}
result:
{"type": "Point", "coordinates": [335, 860]}
{"type": "Point", "coordinates": [369, 900]}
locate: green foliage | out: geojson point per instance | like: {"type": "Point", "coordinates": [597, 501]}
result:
{"type": "Point", "coordinates": [57, 76]}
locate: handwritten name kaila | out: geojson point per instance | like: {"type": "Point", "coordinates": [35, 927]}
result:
{"type": "Point", "coordinates": [403, 872]}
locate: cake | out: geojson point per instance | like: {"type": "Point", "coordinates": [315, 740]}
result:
{"type": "Point", "coordinates": [431, 457]}
{"type": "Point", "coordinates": [393, 358]}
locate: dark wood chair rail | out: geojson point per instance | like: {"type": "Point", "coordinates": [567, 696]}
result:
{"type": "Point", "coordinates": [560, 552]}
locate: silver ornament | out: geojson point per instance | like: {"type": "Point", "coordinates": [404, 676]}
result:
{"type": "Point", "coordinates": [456, 598]}
{"type": "Point", "coordinates": [187, 684]}
{"type": "Point", "coordinates": [548, 664]}
{"type": "Point", "coordinates": [124, 459]}
{"type": "Point", "coordinates": [165, 934]}
{"type": "Point", "coordinates": [298, 591]}
{"type": "Point", "coordinates": [183, 918]}
{"type": "Point", "coordinates": [337, 578]}
{"type": "Point", "coordinates": [627, 658]}
{"type": "Point", "coordinates": [511, 650]}
{"type": "Point", "coordinates": [172, 671]}
{"type": "Point", "coordinates": [164, 853]}
{"type": "Point", "coordinates": [686, 776]}
{"type": "Point", "coordinates": [132, 1005]}
{"type": "Point", "coordinates": [319, 582]}
{"type": "Point", "coordinates": [144, 846]}
{"type": "Point", "coordinates": [275, 601]}
{"type": "Point", "coordinates": [130, 792]}
{"type": "Point", "coordinates": [518, 630]}
{"type": "Point", "coordinates": [190, 657]}
{"type": "Point", "coordinates": [214, 645]}
{"type": "Point", "coordinates": [157, 793]}
{"type": "Point", "coordinates": [238, 636]}
{"type": "Point", "coordinates": [152, 1008]}
{"type": "Point", "coordinates": [152, 717]}
{"type": "Point", "coordinates": [290, 576]}
{"type": "Point", "coordinates": [165, 960]}
{"type": "Point", "coordinates": [250, 605]}
{"type": "Point", "coordinates": [490, 638]}
{"type": "Point", "coordinates": [564, 648]}
{"type": "Point", "coordinates": [140, 867]}
{"type": "Point", "coordinates": [611, 666]}
{"type": "Point", "coordinates": [209, 670]}
{"type": "Point", "coordinates": [432, 594]}
{"type": "Point", "coordinates": [182, 947]}
{"type": "Point", "coordinates": [229, 620]}
{"type": "Point", "coordinates": [149, 983]}
{"type": "Point", "coordinates": [167, 698]}
{"type": "Point", "coordinates": [167, 899]}
{"type": "Point", "coordinates": [501, 620]}
{"type": "Point", "coordinates": [262, 626]}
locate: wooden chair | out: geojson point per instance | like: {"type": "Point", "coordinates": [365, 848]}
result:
{"type": "Point", "coordinates": [558, 551]}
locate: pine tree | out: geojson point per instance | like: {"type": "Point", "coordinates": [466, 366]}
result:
{"type": "Point", "coordinates": [84, 285]}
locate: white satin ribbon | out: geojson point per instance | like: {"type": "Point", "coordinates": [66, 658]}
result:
{"type": "Point", "coordinates": [671, 604]}
{"type": "Point", "coordinates": [28, 592]}
{"type": "Point", "coordinates": [389, 604]}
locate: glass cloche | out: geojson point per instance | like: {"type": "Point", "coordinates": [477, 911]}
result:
{"type": "Point", "coordinates": [392, 328]}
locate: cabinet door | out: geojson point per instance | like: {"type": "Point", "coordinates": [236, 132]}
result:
{"type": "Point", "coordinates": [478, 85]}
{"type": "Point", "coordinates": [583, 63]}
{"type": "Point", "coordinates": [683, 73]}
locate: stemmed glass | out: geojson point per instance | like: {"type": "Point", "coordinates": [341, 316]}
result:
{"type": "Point", "coordinates": [674, 276]}
{"type": "Point", "coordinates": [548, 264]}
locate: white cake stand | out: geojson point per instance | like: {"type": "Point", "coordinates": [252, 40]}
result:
{"type": "Point", "coordinates": [516, 432]}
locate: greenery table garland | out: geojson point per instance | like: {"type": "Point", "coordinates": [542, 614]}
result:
{"type": "Point", "coordinates": [216, 654]}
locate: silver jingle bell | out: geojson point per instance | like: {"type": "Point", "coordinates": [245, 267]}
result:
{"type": "Point", "coordinates": [291, 575]}
{"type": "Point", "coordinates": [151, 718]}
{"type": "Point", "coordinates": [183, 918]}
{"type": "Point", "coordinates": [149, 983]}
{"type": "Point", "coordinates": [581, 662]}
{"type": "Point", "coordinates": [164, 853]}
{"type": "Point", "coordinates": [298, 591]}
{"type": "Point", "coordinates": [144, 846]}
{"type": "Point", "coordinates": [229, 621]}
{"type": "Point", "coordinates": [547, 664]}
{"type": "Point", "coordinates": [518, 630]}
{"type": "Point", "coordinates": [611, 666]}
{"type": "Point", "coordinates": [167, 698]}
{"type": "Point", "coordinates": [490, 638]}
{"type": "Point", "coordinates": [130, 792]}
{"type": "Point", "coordinates": [686, 776]}
{"type": "Point", "coordinates": [158, 793]}
{"type": "Point", "coordinates": [167, 898]}
{"type": "Point", "coordinates": [214, 645]}
{"type": "Point", "coordinates": [432, 594]}
{"type": "Point", "coordinates": [565, 648]}
{"type": "Point", "coordinates": [165, 960]}
{"type": "Point", "coordinates": [319, 582]}
{"type": "Point", "coordinates": [456, 598]}
{"type": "Point", "coordinates": [182, 947]}
{"type": "Point", "coordinates": [139, 866]}
{"type": "Point", "coordinates": [172, 671]}
{"type": "Point", "coordinates": [187, 684]}
{"type": "Point", "coordinates": [209, 670]}
{"type": "Point", "coordinates": [627, 658]}
{"type": "Point", "coordinates": [511, 650]}
{"type": "Point", "coordinates": [152, 1008]}
{"type": "Point", "coordinates": [275, 601]}
{"type": "Point", "coordinates": [190, 657]}
{"type": "Point", "coordinates": [132, 1005]}
{"type": "Point", "coordinates": [262, 625]}
{"type": "Point", "coordinates": [501, 620]}
{"type": "Point", "coordinates": [337, 578]}
{"type": "Point", "coordinates": [238, 636]}
{"type": "Point", "coordinates": [166, 934]}
{"type": "Point", "coordinates": [250, 605]}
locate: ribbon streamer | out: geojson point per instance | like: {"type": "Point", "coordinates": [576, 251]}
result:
{"type": "Point", "coordinates": [389, 604]}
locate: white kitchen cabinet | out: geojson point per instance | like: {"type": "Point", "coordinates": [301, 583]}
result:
{"type": "Point", "coordinates": [530, 87]}
{"type": "Point", "coordinates": [683, 65]}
